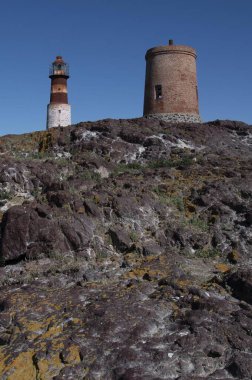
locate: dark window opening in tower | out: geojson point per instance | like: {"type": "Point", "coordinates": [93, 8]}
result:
{"type": "Point", "coordinates": [59, 67]}
{"type": "Point", "coordinates": [59, 111]}
{"type": "Point", "coordinates": [158, 91]}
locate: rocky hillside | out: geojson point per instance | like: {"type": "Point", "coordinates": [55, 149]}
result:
{"type": "Point", "coordinates": [126, 252]}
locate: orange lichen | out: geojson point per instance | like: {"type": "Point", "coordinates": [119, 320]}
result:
{"type": "Point", "coordinates": [183, 284]}
{"type": "Point", "coordinates": [222, 267]}
{"type": "Point", "coordinates": [140, 272]}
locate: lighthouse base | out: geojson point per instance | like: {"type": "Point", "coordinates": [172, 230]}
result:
{"type": "Point", "coordinates": [175, 117]}
{"type": "Point", "coordinates": [58, 115]}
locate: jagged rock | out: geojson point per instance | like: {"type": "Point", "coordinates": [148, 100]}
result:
{"type": "Point", "coordinates": [120, 239]}
{"type": "Point", "coordinates": [185, 238]}
{"type": "Point", "coordinates": [241, 365]}
{"type": "Point", "coordinates": [27, 232]}
{"type": "Point", "coordinates": [150, 247]}
{"type": "Point", "coordinates": [92, 209]}
{"type": "Point", "coordinates": [78, 232]}
{"type": "Point", "coordinates": [248, 218]}
{"type": "Point", "coordinates": [59, 198]}
{"type": "Point", "coordinates": [125, 248]}
{"type": "Point", "coordinates": [240, 283]}
{"type": "Point", "coordinates": [43, 211]}
{"type": "Point", "coordinates": [125, 206]}
{"type": "Point", "coordinates": [23, 230]}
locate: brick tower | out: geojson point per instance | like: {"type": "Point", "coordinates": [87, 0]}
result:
{"type": "Point", "coordinates": [58, 111]}
{"type": "Point", "coordinates": [171, 91]}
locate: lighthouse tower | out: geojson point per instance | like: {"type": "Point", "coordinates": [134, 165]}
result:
{"type": "Point", "coordinates": [171, 91]}
{"type": "Point", "coordinates": [58, 110]}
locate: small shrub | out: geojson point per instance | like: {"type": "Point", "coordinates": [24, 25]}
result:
{"type": "Point", "coordinates": [199, 224]}
{"type": "Point", "coordinates": [45, 142]}
{"type": "Point", "coordinates": [207, 253]}
{"type": "Point", "coordinates": [135, 165]}
{"type": "Point", "coordinates": [102, 254]}
{"type": "Point", "coordinates": [90, 175]}
{"type": "Point", "coordinates": [185, 161]}
{"type": "Point", "coordinates": [63, 161]}
{"type": "Point", "coordinates": [162, 163]}
{"type": "Point", "coordinates": [96, 199]}
{"type": "Point", "coordinates": [123, 168]}
{"type": "Point", "coordinates": [39, 155]}
{"type": "Point", "coordinates": [63, 263]}
{"type": "Point", "coordinates": [133, 236]}
{"type": "Point", "coordinates": [4, 195]}
{"type": "Point", "coordinates": [178, 202]}
{"type": "Point", "coordinates": [157, 190]}
{"type": "Point", "coordinates": [164, 198]}
{"type": "Point", "coordinates": [36, 192]}
{"type": "Point", "coordinates": [67, 207]}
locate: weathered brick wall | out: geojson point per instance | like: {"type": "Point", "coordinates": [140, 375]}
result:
{"type": "Point", "coordinates": [174, 68]}
{"type": "Point", "coordinates": [58, 115]}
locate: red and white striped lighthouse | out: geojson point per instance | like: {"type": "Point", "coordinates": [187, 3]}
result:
{"type": "Point", "coordinates": [58, 110]}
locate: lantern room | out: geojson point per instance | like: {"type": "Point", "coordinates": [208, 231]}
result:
{"type": "Point", "coordinates": [59, 68]}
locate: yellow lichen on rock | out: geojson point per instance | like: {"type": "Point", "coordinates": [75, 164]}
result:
{"type": "Point", "coordinates": [140, 272]}
{"type": "Point", "coordinates": [72, 355]}
{"type": "Point", "coordinates": [234, 256]}
{"type": "Point", "coordinates": [49, 366]}
{"type": "Point", "coordinates": [183, 284]}
{"type": "Point", "coordinates": [21, 368]}
{"type": "Point", "coordinates": [52, 331]}
{"type": "Point", "coordinates": [34, 329]}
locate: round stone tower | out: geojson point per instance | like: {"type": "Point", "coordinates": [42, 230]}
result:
{"type": "Point", "coordinates": [171, 91]}
{"type": "Point", "coordinates": [58, 111]}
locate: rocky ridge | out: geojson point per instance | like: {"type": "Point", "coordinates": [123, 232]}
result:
{"type": "Point", "coordinates": [126, 252]}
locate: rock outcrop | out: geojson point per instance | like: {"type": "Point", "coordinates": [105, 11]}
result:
{"type": "Point", "coordinates": [126, 251]}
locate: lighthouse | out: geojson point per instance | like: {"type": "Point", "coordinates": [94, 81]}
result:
{"type": "Point", "coordinates": [58, 110]}
{"type": "Point", "coordinates": [171, 90]}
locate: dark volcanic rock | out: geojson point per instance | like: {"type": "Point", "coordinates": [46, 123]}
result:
{"type": "Point", "coordinates": [28, 232]}
{"type": "Point", "coordinates": [126, 250]}
{"type": "Point", "coordinates": [120, 239]}
{"type": "Point", "coordinates": [59, 198]}
{"type": "Point", "coordinates": [241, 366]}
{"type": "Point", "coordinates": [24, 231]}
{"type": "Point", "coordinates": [240, 283]}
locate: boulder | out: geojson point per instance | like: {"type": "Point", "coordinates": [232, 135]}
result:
{"type": "Point", "coordinates": [120, 239]}
{"type": "Point", "coordinates": [240, 283]}
{"type": "Point", "coordinates": [241, 365]}
{"type": "Point", "coordinates": [30, 231]}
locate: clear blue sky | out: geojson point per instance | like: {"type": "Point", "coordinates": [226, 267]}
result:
{"type": "Point", "coordinates": [105, 41]}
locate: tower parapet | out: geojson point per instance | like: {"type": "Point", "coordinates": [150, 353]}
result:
{"type": "Point", "coordinates": [58, 110]}
{"type": "Point", "coordinates": [171, 91]}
